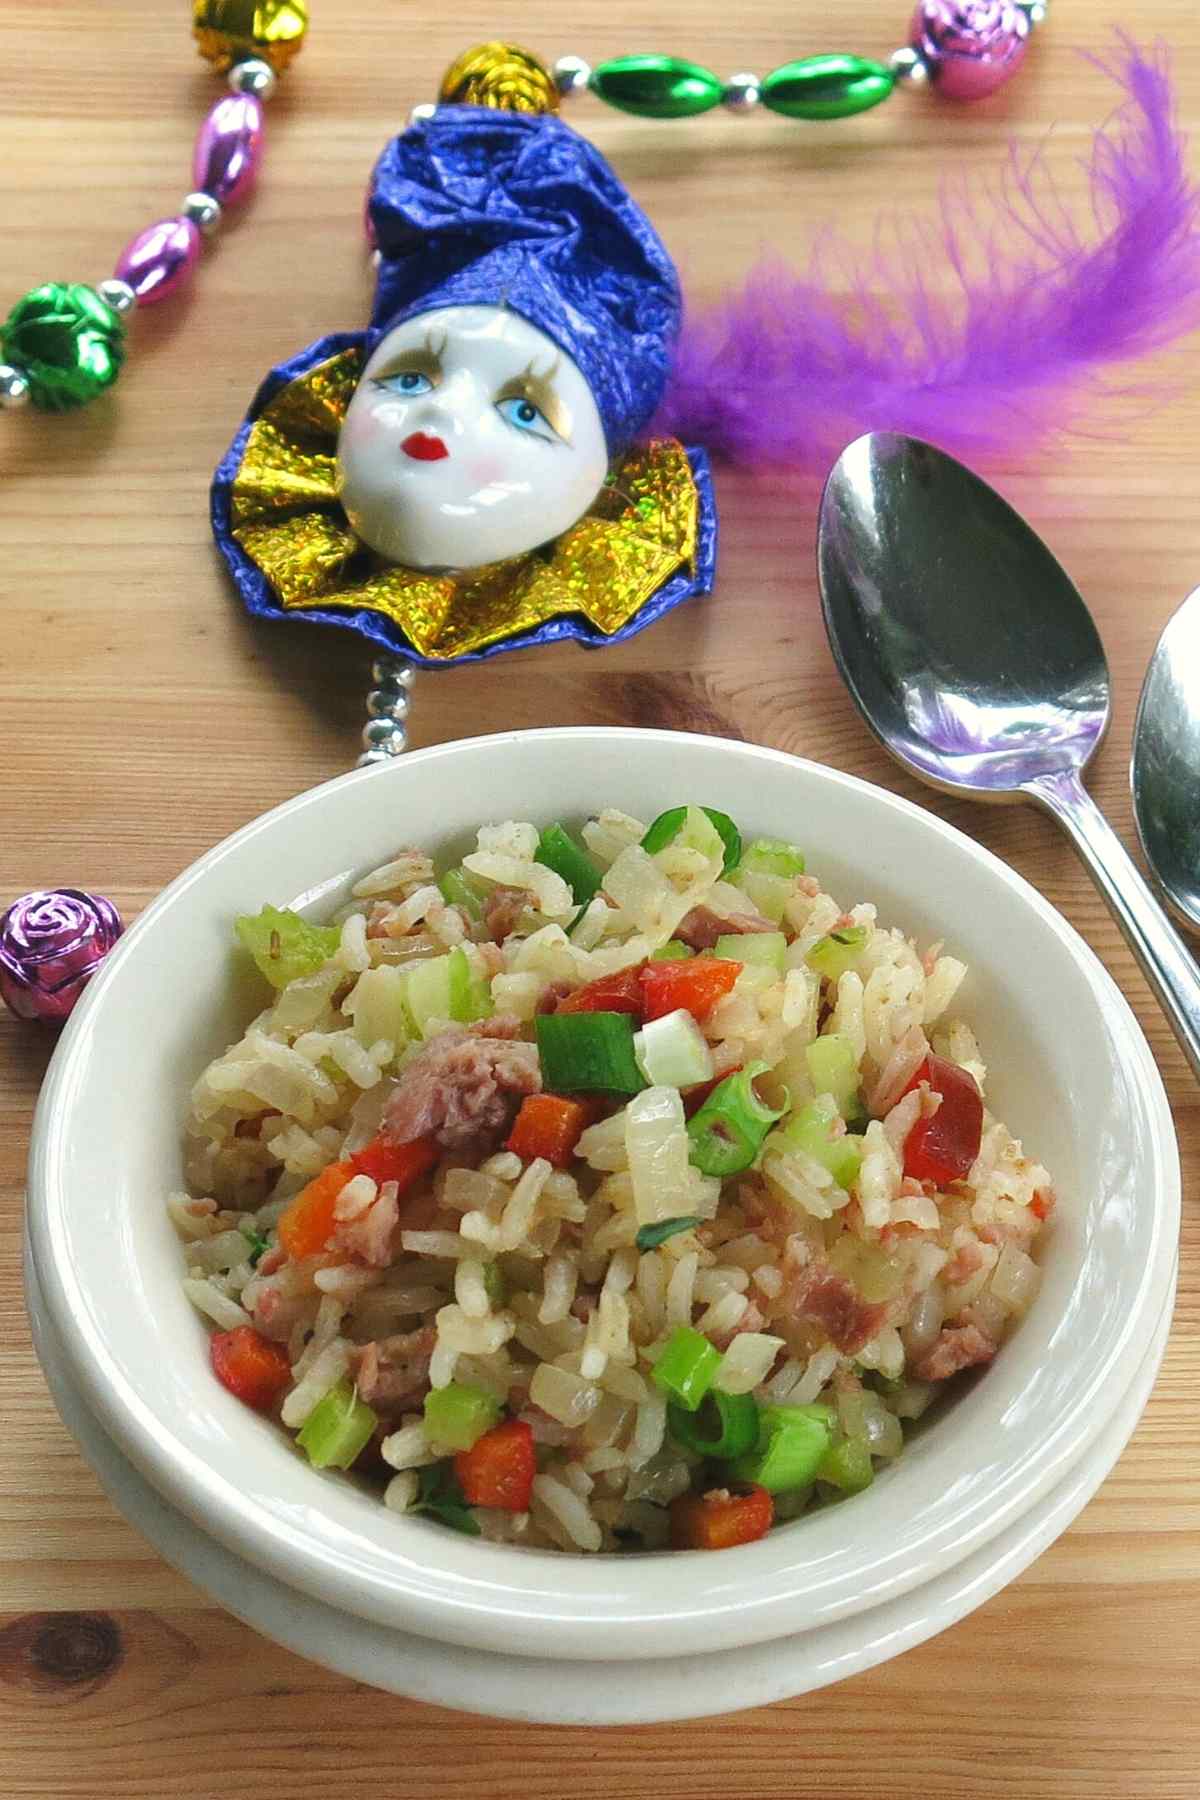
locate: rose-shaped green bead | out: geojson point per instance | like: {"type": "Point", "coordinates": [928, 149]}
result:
{"type": "Point", "coordinates": [67, 342]}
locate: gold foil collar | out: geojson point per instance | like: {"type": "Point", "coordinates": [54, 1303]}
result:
{"type": "Point", "coordinates": [287, 517]}
{"type": "Point", "coordinates": [228, 30]}
{"type": "Point", "coordinates": [502, 76]}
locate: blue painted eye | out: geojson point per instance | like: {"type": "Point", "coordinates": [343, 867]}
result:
{"type": "Point", "coordinates": [408, 382]}
{"type": "Point", "coordinates": [526, 417]}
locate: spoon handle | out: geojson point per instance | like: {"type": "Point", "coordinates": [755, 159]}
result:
{"type": "Point", "coordinates": [1166, 962]}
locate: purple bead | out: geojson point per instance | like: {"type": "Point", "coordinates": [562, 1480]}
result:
{"type": "Point", "coordinates": [970, 47]}
{"type": "Point", "coordinates": [228, 149]}
{"type": "Point", "coordinates": [158, 259]}
{"type": "Point", "coordinates": [50, 945]}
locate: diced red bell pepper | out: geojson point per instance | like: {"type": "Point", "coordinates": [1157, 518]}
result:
{"type": "Point", "coordinates": [250, 1366]}
{"type": "Point", "coordinates": [696, 985]}
{"type": "Point", "coordinates": [550, 1126]}
{"type": "Point", "coordinates": [722, 1518]}
{"type": "Point", "coordinates": [1042, 1204]}
{"type": "Point", "coordinates": [621, 992]}
{"type": "Point", "coordinates": [307, 1225]}
{"type": "Point", "coordinates": [499, 1468]}
{"type": "Point", "coordinates": [943, 1147]}
{"type": "Point", "coordinates": [402, 1163]}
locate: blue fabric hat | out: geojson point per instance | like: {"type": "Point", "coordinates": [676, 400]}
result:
{"type": "Point", "coordinates": [479, 207]}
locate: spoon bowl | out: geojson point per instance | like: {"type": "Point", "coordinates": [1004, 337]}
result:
{"type": "Point", "coordinates": [967, 647]}
{"type": "Point", "coordinates": [972, 656]}
{"type": "Point", "coordinates": [1165, 771]}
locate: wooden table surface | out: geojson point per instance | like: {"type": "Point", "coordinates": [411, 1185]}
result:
{"type": "Point", "coordinates": [143, 718]}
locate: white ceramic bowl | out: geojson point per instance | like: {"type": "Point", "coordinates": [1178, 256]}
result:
{"type": "Point", "coordinates": [1070, 1072]}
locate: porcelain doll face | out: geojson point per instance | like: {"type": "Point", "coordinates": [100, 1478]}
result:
{"type": "Point", "coordinates": [471, 437]}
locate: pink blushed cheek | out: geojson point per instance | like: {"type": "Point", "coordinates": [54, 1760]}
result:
{"type": "Point", "coordinates": [362, 428]}
{"type": "Point", "coordinates": [488, 471]}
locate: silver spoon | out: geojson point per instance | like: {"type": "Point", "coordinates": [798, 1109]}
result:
{"type": "Point", "coordinates": [1165, 770]}
{"type": "Point", "coordinates": [972, 657]}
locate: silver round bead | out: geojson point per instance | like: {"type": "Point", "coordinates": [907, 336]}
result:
{"type": "Point", "coordinates": [203, 211]}
{"type": "Point", "coordinates": [909, 67]}
{"type": "Point", "coordinates": [425, 110]}
{"type": "Point", "coordinates": [376, 258]}
{"type": "Point", "coordinates": [386, 735]}
{"type": "Point", "coordinates": [571, 75]}
{"type": "Point", "coordinates": [388, 703]}
{"type": "Point", "coordinates": [1034, 10]}
{"type": "Point", "coordinates": [742, 93]}
{"type": "Point", "coordinates": [253, 76]}
{"type": "Point", "coordinates": [14, 387]}
{"type": "Point", "coordinates": [388, 670]}
{"type": "Point", "coordinates": [117, 294]}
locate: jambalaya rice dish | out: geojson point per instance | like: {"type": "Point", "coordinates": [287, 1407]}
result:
{"type": "Point", "coordinates": [608, 1192]}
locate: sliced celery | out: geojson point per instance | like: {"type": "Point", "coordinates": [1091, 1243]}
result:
{"type": "Point", "coordinates": [672, 951]}
{"type": "Point", "coordinates": [762, 949]}
{"type": "Point", "coordinates": [284, 945]}
{"type": "Point", "coordinates": [768, 894]}
{"type": "Point", "coordinates": [817, 1131]}
{"type": "Point", "coordinates": [673, 1051]}
{"type": "Point", "coordinates": [847, 1466]}
{"type": "Point", "coordinates": [470, 994]}
{"type": "Point", "coordinates": [427, 991]}
{"type": "Point", "coordinates": [833, 1068]}
{"type": "Point", "coordinates": [457, 1416]}
{"type": "Point", "coordinates": [772, 856]}
{"type": "Point", "coordinates": [837, 952]}
{"type": "Point", "coordinates": [337, 1429]}
{"type": "Point", "coordinates": [457, 891]}
{"type": "Point", "coordinates": [494, 1283]}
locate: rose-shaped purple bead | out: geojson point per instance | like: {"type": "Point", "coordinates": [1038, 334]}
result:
{"type": "Point", "coordinates": [51, 942]}
{"type": "Point", "coordinates": [969, 46]}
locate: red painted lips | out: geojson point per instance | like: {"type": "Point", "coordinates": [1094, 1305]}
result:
{"type": "Point", "coordinates": [423, 448]}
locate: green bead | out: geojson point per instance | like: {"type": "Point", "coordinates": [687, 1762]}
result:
{"type": "Point", "coordinates": [826, 87]}
{"type": "Point", "coordinates": [656, 87]}
{"type": "Point", "coordinates": [67, 342]}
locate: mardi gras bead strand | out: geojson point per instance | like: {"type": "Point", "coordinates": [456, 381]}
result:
{"type": "Point", "coordinates": [63, 343]}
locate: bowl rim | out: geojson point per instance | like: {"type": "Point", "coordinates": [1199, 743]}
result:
{"type": "Point", "coordinates": [752, 1598]}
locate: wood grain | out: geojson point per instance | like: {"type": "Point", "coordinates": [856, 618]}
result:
{"type": "Point", "coordinates": [143, 718]}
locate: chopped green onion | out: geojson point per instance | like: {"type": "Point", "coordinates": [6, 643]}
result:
{"type": "Point", "coordinates": [724, 1426]}
{"type": "Point", "coordinates": [728, 1131]}
{"type": "Point", "coordinates": [847, 1466]}
{"type": "Point", "coordinates": [588, 1052]}
{"type": "Point", "coordinates": [792, 1441]}
{"type": "Point", "coordinates": [456, 890]}
{"type": "Point", "coordinates": [257, 1243]}
{"type": "Point", "coordinates": [337, 1429]}
{"type": "Point", "coordinates": [439, 1495]}
{"type": "Point", "coordinates": [673, 1051]}
{"type": "Point", "coordinates": [649, 1237]}
{"type": "Point", "coordinates": [764, 949]}
{"type": "Point", "coordinates": [668, 825]}
{"type": "Point", "coordinates": [816, 1130]}
{"type": "Point", "coordinates": [470, 995]}
{"type": "Point", "coordinates": [686, 1368]}
{"type": "Point", "coordinates": [834, 954]}
{"type": "Point", "coordinates": [457, 1416]}
{"type": "Point", "coordinates": [672, 951]}
{"type": "Point", "coordinates": [833, 1067]}
{"type": "Point", "coordinates": [286, 946]}
{"type": "Point", "coordinates": [772, 856]}
{"type": "Point", "coordinates": [494, 1284]}
{"type": "Point", "coordinates": [561, 853]}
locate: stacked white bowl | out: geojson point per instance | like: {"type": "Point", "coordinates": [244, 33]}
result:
{"type": "Point", "coordinates": [313, 1560]}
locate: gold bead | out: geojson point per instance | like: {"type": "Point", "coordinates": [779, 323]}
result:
{"type": "Point", "coordinates": [502, 76]}
{"type": "Point", "coordinates": [226, 30]}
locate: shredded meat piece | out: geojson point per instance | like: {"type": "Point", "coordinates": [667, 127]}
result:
{"type": "Point", "coordinates": [464, 1087]}
{"type": "Point", "coordinates": [552, 993]}
{"type": "Point", "coordinates": [957, 1347]}
{"type": "Point", "coordinates": [966, 1261]}
{"type": "Point", "coordinates": [393, 1372]}
{"type": "Point", "coordinates": [501, 910]}
{"type": "Point", "coordinates": [702, 927]}
{"type": "Point", "coordinates": [819, 1294]}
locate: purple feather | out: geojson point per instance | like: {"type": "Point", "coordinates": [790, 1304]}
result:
{"type": "Point", "coordinates": [783, 374]}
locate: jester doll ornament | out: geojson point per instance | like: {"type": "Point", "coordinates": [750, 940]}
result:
{"type": "Point", "coordinates": [508, 453]}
